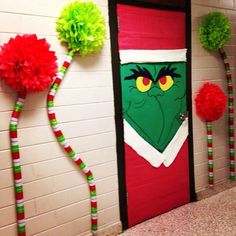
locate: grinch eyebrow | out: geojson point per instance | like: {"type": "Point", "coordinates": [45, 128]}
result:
{"type": "Point", "coordinates": [141, 71]}
{"type": "Point", "coordinates": [168, 71]}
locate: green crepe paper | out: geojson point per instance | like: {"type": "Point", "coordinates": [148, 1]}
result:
{"type": "Point", "coordinates": [82, 26]}
{"type": "Point", "coordinates": [214, 31]}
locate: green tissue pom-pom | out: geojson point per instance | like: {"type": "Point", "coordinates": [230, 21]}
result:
{"type": "Point", "coordinates": [214, 31]}
{"type": "Point", "coordinates": [82, 26]}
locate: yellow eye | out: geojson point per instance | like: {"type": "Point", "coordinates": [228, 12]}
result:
{"type": "Point", "coordinates": [165, 82]}
{"type": "Point", "coordinates": [143, 84]}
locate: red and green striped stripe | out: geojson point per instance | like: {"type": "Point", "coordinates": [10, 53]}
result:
{"type": "Point", "coordinates": [61, 139]}
{"type": "Point", "coordinates": [230, 92]}
{"type": "Point", "coordinates": [15, 154]}
{"type": "Point", "coordinates": [210, 154]}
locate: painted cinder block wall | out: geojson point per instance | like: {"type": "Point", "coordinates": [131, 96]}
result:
{"type": "Point", "coordinates": [208, 67]}
{"type": "Point", "coordinates": [56, 193]}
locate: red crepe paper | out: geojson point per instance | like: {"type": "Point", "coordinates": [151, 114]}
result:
{"type": "Point", "coordinates": [150, 29]}
{"type": "Point", "coordinates": [151, 192]}
{"type": "Point", "coordinates": [210, 102]}
{"type": "Point", "coordinates": [26, 64]}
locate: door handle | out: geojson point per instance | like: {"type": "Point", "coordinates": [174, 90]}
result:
{"type": "Point", "coordinates": [183, 116]}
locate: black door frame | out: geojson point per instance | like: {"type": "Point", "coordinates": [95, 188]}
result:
{"type": "Point", "coordinates": [118, 103]}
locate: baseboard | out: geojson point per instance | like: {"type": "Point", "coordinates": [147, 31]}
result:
{"type": "Point", "coordinates": [217, 188]}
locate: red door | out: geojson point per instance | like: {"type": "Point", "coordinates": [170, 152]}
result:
{"type": "Point", "coordinates": [153, 80]}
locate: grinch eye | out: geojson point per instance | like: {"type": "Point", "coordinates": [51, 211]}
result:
{"type": "Point", "coordinates": [143, 84]}
{"type": "Point", "coordinates": [165, 82]}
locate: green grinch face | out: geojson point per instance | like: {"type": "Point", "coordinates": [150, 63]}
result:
{"type": "Point", "coordinates": [153, 96]}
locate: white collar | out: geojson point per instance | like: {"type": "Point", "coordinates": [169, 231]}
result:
{"type": "Point", "coordinates": [148, 152]}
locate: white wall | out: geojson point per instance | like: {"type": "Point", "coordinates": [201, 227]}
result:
{"type": "Point", "coordinates": [208, 67]}
{"type": "Point", "coordinates": [56, 193]}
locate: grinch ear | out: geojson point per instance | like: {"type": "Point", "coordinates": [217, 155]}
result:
{"type": "Point", "coordinates": [82, 26]}
{"type": "Point", "coordinates": [215, 31]}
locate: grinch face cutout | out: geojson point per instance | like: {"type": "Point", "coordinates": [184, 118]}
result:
{"type": "Point", "coordinates": [153, 98]}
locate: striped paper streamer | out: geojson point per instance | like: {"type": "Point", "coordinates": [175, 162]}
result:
{"type": "Point", "coordinates": [15, 154]}
{"type": "Point", "coordinates": [230, 114]}
{"type": "Point", "coordinates": [61, 139]}
{"type": "Point", "coordinates": [210, 154]}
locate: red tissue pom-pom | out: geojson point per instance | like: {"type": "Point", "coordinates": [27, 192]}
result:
{"type": "Point", "coordinates": [27, 64]}
{"type": "Point", "coordinates": [210, 102]}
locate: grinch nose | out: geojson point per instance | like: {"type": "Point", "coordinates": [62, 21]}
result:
{"type": "Point", "coordinates": [155, 91]}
